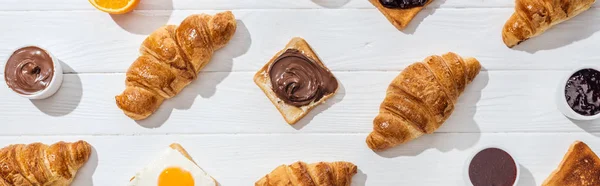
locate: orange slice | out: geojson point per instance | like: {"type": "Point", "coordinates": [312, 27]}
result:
{"type": "Point", "coordinates": [115, 6]}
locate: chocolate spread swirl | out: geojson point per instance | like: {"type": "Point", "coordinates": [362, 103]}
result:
{"type": "Point", "coordinates": [298, 80]}
{"type": "Point", "coordinates": [403, 4]}
{"type": "Point", "coordinates": [29, 70]}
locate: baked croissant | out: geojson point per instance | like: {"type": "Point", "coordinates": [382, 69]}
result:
{"type": "Point", "coordinates": [534, 17]}
{"type": "Point", "coordinates": [40, 164]}
{"type": "Point", "coordinates": [170, 59]}
{"type": "Point", "coordinates": [317, 174]}
{"type": "Point", "coordinates": [420, 99]}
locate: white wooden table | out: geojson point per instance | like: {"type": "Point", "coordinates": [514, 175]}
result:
{"type": "Point", "coordinates": [233, 131]}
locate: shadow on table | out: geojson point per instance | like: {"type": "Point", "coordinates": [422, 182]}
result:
{"type": "Point", "coordinates": [206, 83]}
{"type": "Point", "coordinates": [591, 127]}
{"type": "Point", "coordinates": [145, 22]}
{"type": "Point", "coordinates": [525, 177]}
{"type": "Point", "coordinates": [462, 118]}
{"type": "Point", "coordinates": [427, 11]}
{"type": "Point", "coordinates": [562, 34]}
{"type": "Point", "coordinates": [84, 175]}
{"type": "Point", "coordinates": [339, 96]}
{"type": "Point", "coordinates": [66, 99]}
{"type": "Point", "coordinates": [360, 179]}
{"type": "Point", "coordinates": [331, 3]}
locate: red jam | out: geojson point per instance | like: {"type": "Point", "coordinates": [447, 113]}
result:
{"type": "Point", "coordinates": [583, 92]}
{"type": "Point", "coordinates": [403, 4]}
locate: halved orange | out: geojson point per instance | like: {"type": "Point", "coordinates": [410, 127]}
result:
{"type": "Point", "coordinates": [115, 6]}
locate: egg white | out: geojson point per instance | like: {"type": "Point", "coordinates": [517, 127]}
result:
{"type": "Point", "coordinates": [171, 158]}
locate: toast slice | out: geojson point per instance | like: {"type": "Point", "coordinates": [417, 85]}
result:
{"type": "Point", "coordinates": [399, 17]}
{"type": "Point", "coordinates": [579, 167]}
{"type": "Point", "coordinates": [180, 149]}
{"type": "Point", "coordinates": [290, 113]}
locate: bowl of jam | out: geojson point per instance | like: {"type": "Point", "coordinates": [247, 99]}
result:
{"type": "Point", "coordinates": [578, 94]}
{"type": "Point", "coordinates": [491, 166]}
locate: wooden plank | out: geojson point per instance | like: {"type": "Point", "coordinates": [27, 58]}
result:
{"type": "Point", "coordinates": [242, 159]}
{"type": "Point", "coordinates": [235, 134]}
{"type": "Point", "coordinates": [12, 5]}
{"type": "Point", "coordinates": [90, 41]}
{"type": "Point", "coordinates": [498, 101]}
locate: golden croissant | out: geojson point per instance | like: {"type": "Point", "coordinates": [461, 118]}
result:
{"type": "Point", "coordinates": [534, 17]}
{"type": "Point", "coordinates": [317, 174]}
{"type": "Point", "coordinates": [170, 59]}
{"type": "Point", "coordinates": [420, 99]}
{"type": "Point", "coordinates": [40, 164]}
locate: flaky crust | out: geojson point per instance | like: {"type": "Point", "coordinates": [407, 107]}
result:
{"type": "Point", "coordinates": [170, 59]}
{"type": "Point", "coordinates": [290, 113]}
{"type": "Point", "coordinates": [534, 17]}
{"type": "Point", "coordinates": [316, 174]}
{"type": "Point", "coordinates": [579, 167]}
{"type": "Point", "coordinates": [399, 17]}
{"type": "Point", "coordinates": [420, 99]}
{"type": "Point", "coordinates": [40, 164]}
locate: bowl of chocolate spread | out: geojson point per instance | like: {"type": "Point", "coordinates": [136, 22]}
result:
{"type": "Point", "coordinates": [491, 166]}
{"type": "Point", "coordinates": [33, 72]}
{"type": "Point", "coordinates": [578, 94]}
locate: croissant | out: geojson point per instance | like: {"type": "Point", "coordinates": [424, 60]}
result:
{"type": "Point", "coordinates": [40, 164]}
{"type": "Point", "coordinates": [420, 99]}
{"type": "Point", "coordinates": [534, 17]}
{"type": "Point", "coordinates": [170, 59]}
{"type": "Point", "coordinates": [317, 174]}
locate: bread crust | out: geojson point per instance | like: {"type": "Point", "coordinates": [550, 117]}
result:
{"type": "Point", "coordinates": [579, 167]}
{"type": "Point", "coordinates": [316, 174]}
{"type": "Point", "coordinates": [420, 99]}
{"type": "Point", "coordinates": [290, 113]}
{"type": "Point", "coordinates": [171, 57]}
{"type": "Point", "coordinates": [180, 149]}
{"type": "Point", "coordinates": [400, 18]}
{"type": "Point", "coordinates": [41, 164]}
{"type": "Point", "coordinates": [533, 17]}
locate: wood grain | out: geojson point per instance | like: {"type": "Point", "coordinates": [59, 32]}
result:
{"type": "Point", "coordinates": [234, 133]}
{"type": "Point", "coordinates": [91, 41]}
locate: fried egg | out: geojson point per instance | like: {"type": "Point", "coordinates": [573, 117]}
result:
{"type": "Point", "coordinates": [172, 169]}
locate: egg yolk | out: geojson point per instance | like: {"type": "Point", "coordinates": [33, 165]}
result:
{"type": "Point", "coordinates": [174, 176]}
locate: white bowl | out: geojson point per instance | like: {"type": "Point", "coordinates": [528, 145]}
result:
{"type": "Point", "coordinates": [55, 83]}
{"type": "Point", "coordinates": [468, 162]}
{"type": "Point", "coordinates": [561, 100]}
